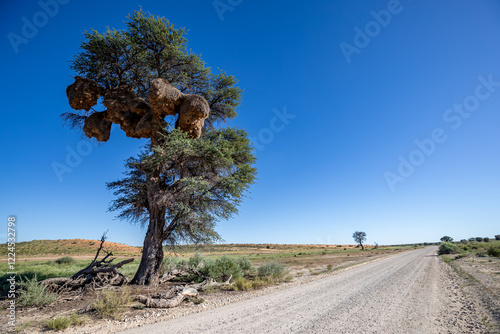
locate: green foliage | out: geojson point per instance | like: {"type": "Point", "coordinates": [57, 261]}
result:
{"type": "Point", "coordinates": [494, 250]}
{"type": "Point", "coordinates": [222, 268]}
{"type": "Point", "coordinates": [34, 294]}
{"type": "Point", "coordinates": [480, 249]}
{"type": "Point", "coordinates": [486, 239]}
{"type": "Point", "coordinates": [60, 323]}
{"type": "Point", "coordinates": [481, 252]}
{"type": "Point", "coordinates": [219, 269]}
{"type": "Point", "coordinates": [203, 181]}
{"type": "Point", "coordinates": [272, 270]}
{"type": "Point", "coordinates": [246, 266]}
{"type": "Point", "coordinates": [497, 237]}
{"type": "Point", "coordinates": [111, 304]}
{"type": "Point", "coordinates": [182, 264]}
{"type": "Point", "coordinates": [447, 248]}
{"type": "Point", "coordinates": [65, 260]}
{"type": "Point", "coordinates": [446, 239]}
{"type": "Point", "coordinates": [479, 239]}
{"type": "Point", "coordinates": [196, 261]}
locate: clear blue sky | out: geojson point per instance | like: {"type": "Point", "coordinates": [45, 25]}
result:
{"type": "Point", "coordinates": [380, 116]}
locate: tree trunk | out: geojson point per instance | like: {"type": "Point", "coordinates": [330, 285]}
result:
{"type": "Point", "coordinates": [362, 247]}
{"type": "Point", "coordinates": [152, 252]}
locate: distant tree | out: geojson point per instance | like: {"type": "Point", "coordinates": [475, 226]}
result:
{"type": "Point", "coordinates": [472, 239]}
{"type": "Point", "coordinates": [479, 239]}
{"type": "Point", "coordinates": [497, 237]}
{"type": "Point", "coordinates": [463, 241]}
{"type": "Point", "coordinates": [359, 237]}
{"type": "Point", "coordinates": [446, 239]}
{"type": "Point", "coordinates": [193, 172]}
{"type": "Point", "coordinates": [486, 239]}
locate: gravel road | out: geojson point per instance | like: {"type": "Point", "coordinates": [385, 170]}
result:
{"type": "Point", "coordinates": [411, 292]}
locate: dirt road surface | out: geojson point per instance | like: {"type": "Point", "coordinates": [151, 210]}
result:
{"type": "Point", "coordinates": [411, 292]}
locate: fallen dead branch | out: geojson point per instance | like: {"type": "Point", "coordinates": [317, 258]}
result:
{"type": "Point", "coordinates": [210, 283]}
{"type": "Point", "coordinates": [165, 301]}
{"type": "Point", "coordinates": [97, 274]}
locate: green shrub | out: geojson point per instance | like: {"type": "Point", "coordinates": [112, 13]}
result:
{"type": "Point", "coordinates": [60, 323]}
{"type": "Point", "coordinates": [479, 239]}
{"type": "Point", "coordinates": [34, 294]}
{"type": "Point", "coordinates": [65, 260]}
{"type": "Point", "coordinates": [272, 270]}
{"type": "Point", "coordinates": [494, 250]}
{"type": "Point", "coordinates": [447, 248]}
{"type": "Point", "coordinates": [182, 264]}
{"type": "Point", "coordinates": [208, 264]}
{"type": "Point", "coordinates": [195, 261]}
{"type": "Point", "coordinates": [222, 268]}
{"type": "Point", "coordinates": [111, 304]}
{"type": "Point", "coordinates": [486, 239]}
{"type": "Point", "coordinates": [481, 252]}
{"type": "Point", "coordinates": [246, 266]}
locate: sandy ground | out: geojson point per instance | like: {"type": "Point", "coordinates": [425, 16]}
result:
{"type": "Point", "coordinates": [411, 292]}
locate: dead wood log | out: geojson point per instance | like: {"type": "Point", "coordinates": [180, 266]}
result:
{"type": "Point", "coordinates": [168, 303]}
{"type": "Point", "coordinates": [53, 284]}
{"type": "Point", "coordinates": [210, 283]}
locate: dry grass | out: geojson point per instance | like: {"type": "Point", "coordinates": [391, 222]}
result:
{"type": "Point", "coordinates": [111, 304]}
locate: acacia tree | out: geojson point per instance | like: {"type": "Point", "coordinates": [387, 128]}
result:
{"type": "Point", "coordinates": [446, 239]}
{"type": "Point", "coordinates": [359, 237]}
{"type": "Point", "coordinates": [192, 172]}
